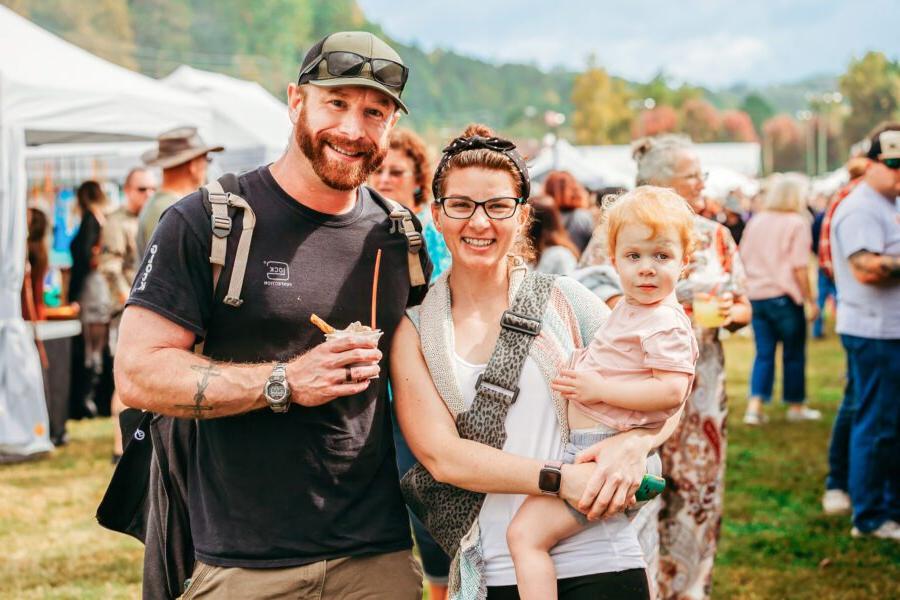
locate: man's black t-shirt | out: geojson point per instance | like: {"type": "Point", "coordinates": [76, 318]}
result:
{"type": "Point", "coordinates": [267, 489]}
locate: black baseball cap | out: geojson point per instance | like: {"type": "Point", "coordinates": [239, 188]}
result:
{"type": "Point", "coordinates": [365, 61]}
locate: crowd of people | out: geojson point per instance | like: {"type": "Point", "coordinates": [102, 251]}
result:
{"type": "Point", "coordinates": [545, 351]}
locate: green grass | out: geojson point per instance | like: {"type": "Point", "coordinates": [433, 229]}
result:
{"type": "Point", "coordinates": [775, 541]}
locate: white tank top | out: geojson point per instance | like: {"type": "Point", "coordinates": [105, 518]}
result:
{"type": "Point", "coordinates": [533, 431]}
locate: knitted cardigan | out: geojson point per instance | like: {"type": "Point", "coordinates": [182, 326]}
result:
{"type": "Point", "coordinates": [572, 316]}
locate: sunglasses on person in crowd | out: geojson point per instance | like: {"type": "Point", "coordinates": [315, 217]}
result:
{"type": "Point", "coordinates": [462, 207]}
{"type": "Point", "coordinates": [350, 64]}
{"type": "Point", "coordinates": [891, 163]}
{"type": "Point", "coordinates": [146, 189]}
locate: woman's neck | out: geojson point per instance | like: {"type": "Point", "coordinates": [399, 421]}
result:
{"type": "Point", "coordinates": [475, 289]}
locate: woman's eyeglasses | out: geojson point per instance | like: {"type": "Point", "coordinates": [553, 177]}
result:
{"type": "Point", "coordinates": [462, 207]}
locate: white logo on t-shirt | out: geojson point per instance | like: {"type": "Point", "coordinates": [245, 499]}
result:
{"type": "Point", "coordinates": [278, 273]}
{"type": "Point", "coordinates": [148, 268]}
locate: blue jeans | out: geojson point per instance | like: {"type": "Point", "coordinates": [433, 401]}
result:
{"type": "Point", "coordinates": [826, 288]}
{"type": "Point", "coordinates": [779, 320]}
{"type": "Point", "coordinates": [839, 448]}
{"type": "Point", "coordinates": [875, 435]}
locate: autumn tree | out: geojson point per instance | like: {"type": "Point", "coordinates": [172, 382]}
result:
{"type": "Point", "coordinates": [602, 113]}
{"type": "Point", "coordinates": [872, 87]}
{"type": "Point", "coordinates": [661, 119]}
{"type": "Point", "coordinates": [101, 27]}
{"type": "Point", "coordinates": [737, 127]}
{"type": "Point", "coordinates": [758, 109]}
{"type": "Point", "coordinates": [700, 120]}
{"type": "Point", "coordinates": [784, 144]}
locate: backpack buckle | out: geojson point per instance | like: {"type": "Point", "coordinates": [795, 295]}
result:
{"type": "Point", "coordinates": [508, 396]}
{"type": "Point", "coordinates": [232, 301]}
{"type": "Point", "coordinates": [415, 241]}
{"type": "Point", "coordinates": [221, 226]}
{"type": "Point", "coordinates": [397, 217]}
{"type": "Point", "coordinates": [516, 322]}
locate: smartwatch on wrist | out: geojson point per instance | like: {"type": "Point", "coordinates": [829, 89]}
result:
{"type": "Point", "coordinates": [277, 391]}
{"type": "Point", "coordinates": [550, 478]}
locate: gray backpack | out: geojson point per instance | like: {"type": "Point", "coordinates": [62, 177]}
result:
{"type": "Point", "coordinates": [222, 200]}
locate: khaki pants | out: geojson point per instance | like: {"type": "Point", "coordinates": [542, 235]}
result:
{"type": "Point", "coordinates": [394, 576]}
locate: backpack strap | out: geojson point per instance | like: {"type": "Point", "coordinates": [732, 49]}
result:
{"type": "Point", "coordinates": [218, 201]}
{"type": "Point", "coordinates": [402, 222]}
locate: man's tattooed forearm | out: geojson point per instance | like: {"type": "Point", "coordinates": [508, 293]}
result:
{"type": "Point", "coordinates": [201, 409]}
{"type": "Point", "coordinates": [876, 266]}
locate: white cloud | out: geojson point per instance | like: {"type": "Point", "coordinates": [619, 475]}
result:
{"type": "Point", "coordinates": [707, 42]}
{"type": "Point", "coordinates": [718, 59]}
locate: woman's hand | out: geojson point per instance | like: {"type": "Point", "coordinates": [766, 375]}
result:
{"type": "Point", "coordinates": [726, 308]}
{"type": "Point", "coordinates": [584, 386]}
{"type": "Point", "coordinates": [620, 464]}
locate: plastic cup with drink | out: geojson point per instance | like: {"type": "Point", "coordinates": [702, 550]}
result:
{"type": "Point", "coordinates": [355, 330]}
{"type": "Point", "coordinates": [707, 305]}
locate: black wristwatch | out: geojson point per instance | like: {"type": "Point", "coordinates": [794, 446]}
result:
{"type": "Point", "coordinates": [550, 478]}
{"type": "Point", "coordinates": [277, 391]}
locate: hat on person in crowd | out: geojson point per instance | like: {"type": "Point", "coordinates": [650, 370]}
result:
{"type": "Point", "coordinates": [176, 147]}
{"type": "Point", "coordinates": [733, 203]}
{"type": "Point", "coordinates": [355, 58]}
{"type": "Point", "coordinates": [885, 143]}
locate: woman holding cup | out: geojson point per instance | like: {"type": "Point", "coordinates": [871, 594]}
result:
{"type": "Point", "coordinates": [679, 534]}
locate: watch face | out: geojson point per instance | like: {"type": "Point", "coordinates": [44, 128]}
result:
{"type": "Point", "coordinates": [549, 480]}
{"type": "Point", "coordinates": [276, 392]}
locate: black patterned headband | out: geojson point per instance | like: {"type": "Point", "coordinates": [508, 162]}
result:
{"type": "Point", "coordinates": [477, 142]}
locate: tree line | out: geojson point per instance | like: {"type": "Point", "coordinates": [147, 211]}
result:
{"type": "Point", "coordinates": [265, 41]}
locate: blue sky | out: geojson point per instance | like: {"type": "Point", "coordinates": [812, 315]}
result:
{"type": "Point", "coordinates": [711, 42]}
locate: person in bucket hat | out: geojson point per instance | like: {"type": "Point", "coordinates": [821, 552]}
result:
{"type": "Point", "coordinates": [292, 487]}
{"type": "Point", "coordinates": [183, 157]}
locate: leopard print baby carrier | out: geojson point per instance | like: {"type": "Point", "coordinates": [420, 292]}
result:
{"type": "Point", "coordinates": [449, 512]}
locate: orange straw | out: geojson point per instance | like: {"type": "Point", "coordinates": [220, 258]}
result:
{"type": "Point", "coordinates": [375, 285]}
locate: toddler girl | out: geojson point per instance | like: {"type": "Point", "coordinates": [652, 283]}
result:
{"type": "Point", "coordinates": [636, 372]}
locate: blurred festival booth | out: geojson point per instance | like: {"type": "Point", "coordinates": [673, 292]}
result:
{"type": "Point", "coordinates": [64, 112]}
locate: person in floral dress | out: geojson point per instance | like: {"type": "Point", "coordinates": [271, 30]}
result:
{"type": "Point", "coordinates": [679, 531]}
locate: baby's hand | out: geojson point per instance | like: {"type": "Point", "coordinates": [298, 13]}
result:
{"type": "Point", "coordinates": [583, 386]}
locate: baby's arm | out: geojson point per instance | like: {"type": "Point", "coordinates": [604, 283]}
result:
{"type": "Point", "coordinates": [661, 390]}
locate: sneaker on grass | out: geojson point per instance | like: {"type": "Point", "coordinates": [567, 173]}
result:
{"type": "Point", "coordinates": [836, 502]}
{"type": "Point", "coordinates": [804, 413]}
{"type": "Point", "coordinates": [889, 530]}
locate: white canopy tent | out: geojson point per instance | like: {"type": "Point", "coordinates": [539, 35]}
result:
{"type": "Point", "coordinates": [563, 156]}
{"type": "Point", "coordinates": [52, 92]}
{"type": "Point", "coordinates": [249, 121]}
{"type": "Point", "coordinates": [606, 166]}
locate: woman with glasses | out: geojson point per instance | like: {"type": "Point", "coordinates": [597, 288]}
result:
{"type": "Point", "coordinates": [405, 176]}
{"type": "Point", "coordinates": [680, 533]}
{"type": "Point", "coordinates": [440, 357]}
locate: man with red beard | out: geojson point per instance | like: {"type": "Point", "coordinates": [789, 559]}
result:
{"type": "Point", "coordinates": [292, 488]}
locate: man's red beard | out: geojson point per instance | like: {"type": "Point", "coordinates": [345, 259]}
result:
{"type": "Point", "coordinates": [334, 173]}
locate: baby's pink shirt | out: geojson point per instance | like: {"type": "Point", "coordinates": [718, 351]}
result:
{"type": "Point", "coordinates": [636, 339]}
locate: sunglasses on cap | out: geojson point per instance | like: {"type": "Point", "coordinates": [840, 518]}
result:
{"type": "Point", "coordinates": [349, 64]}
{"type": "Point", "coordinates": [891, 163]}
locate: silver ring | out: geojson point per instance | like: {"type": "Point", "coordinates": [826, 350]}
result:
{"type": "Point", "coordinates": [348, 378]}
